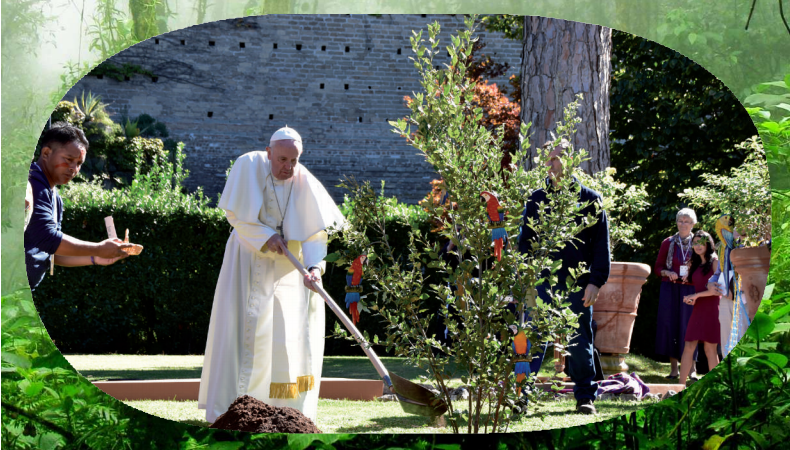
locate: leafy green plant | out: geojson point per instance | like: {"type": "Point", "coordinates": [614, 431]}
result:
{"type": "Point", "coordinates": [133, 146]}
{"type": "Point", "coordinates": [150, 127]}
{"type": "Point", "coordinates": [714, 38]}
{"type": "Point", "coordinates": [744, 195]}
{"type": "Point", "coordinates": [90, 108]}
{"type": "Point", "coordinates": [68, 112]}
{"type": "Point", "coordinates": [413, 215]}
{"type": "Point", "coordinates": [111, 31]}
{"type": "Point", "coordinates": [771, 113]}
{"type": "Point", "coordinates": [46, 404]}
{"type": "Point", "coordinates": [131, 129]}
{"type": "Point", "coordinates": [780, 242]}
{"type": "Point", "coordinates": [448, 131]}
{"type": "Point", "coordinates": [260, 7]}
{"type": "Point", "coordinates": [144, 17]}
{"type": "Point", "coordinates": [119, 73]}
{"type": "Point", "coordinates": [200, 8]}
{"type": "Point", "coordinates": [768, 97]}
{"type": "Point", "coordinates": [622, 203]}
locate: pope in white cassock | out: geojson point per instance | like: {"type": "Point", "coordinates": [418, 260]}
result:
{"type": "Point", "coordinates": [266, 335]}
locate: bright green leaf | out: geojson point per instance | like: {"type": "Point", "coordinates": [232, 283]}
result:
{"type": "Point", "coordinates": [757, 438]}
{"type": "Point", "coordinates": [778, 359]}
{"type": "Point", "coordinates": [226, 445]}
{"type": "Point", "coordinates": [302, 441]}
{"type": "Point", "coordinates": [762, 325]}
{"type": "Point", "coordinates": [17, 360]}
{"type": "Point", "coordinates": [713, 442]}
{"type": "Point", "coordinates": [34, 388]}
{"type": "Point", "coordinates": [49, 441]}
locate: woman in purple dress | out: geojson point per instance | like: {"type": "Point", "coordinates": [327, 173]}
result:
{"type": "Point", "coordinates": [672, 265]}
{"type": "Point", "coordinates": [704, 323]}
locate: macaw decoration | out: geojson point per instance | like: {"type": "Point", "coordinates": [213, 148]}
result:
{"type": "Point", "coordinates": [740, 318]}
{"type": "Point", "coordinates": [496, 218]}
{"type": "Point", "coordinates": [354, 286]}
{"type": "Point", "coordinates": [521, 346]}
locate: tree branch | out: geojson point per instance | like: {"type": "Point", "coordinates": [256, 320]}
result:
{"type": "Point", "coordinates": [782, 15]}
{"type": "Point", "coordinates": [32, 417]}
{"type": "Point", "coordinates": [751, 12]}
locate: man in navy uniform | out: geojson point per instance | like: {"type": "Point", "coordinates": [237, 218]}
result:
{"type": "Point", "coordinates": [592, 248]}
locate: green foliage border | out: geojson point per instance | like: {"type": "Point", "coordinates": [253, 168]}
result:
{"type": "Point", "coordinates": [579, 13]}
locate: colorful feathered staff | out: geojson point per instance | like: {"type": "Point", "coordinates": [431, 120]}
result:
{"type": "Point", "coordinates": [354, 286]}
{"type": "Point", "coordinates": [496, 218]}
{"type": "Point", "coordinates": [740, 318]}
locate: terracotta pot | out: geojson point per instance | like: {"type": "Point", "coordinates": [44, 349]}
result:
{"type": "Point", "coordinates": [615, 309]}
{"type": "Point", "coordinates": [752, 265]}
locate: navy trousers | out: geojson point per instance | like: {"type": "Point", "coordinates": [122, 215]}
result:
{"type": "Point", "coordinates": [579, 365]}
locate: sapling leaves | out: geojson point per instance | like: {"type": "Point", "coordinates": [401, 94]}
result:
{"type": "Point", "coordinates": [474, 288]}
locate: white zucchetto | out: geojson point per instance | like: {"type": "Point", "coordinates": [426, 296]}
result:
{"type": "Point", "coordinates": [285, 134]}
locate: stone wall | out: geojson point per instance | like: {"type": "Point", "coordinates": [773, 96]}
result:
{"type": "Point", "coordinates": [223, 87]}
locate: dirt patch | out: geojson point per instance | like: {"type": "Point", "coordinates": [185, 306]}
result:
{"type": "Point", "coordinates": [250, 414]}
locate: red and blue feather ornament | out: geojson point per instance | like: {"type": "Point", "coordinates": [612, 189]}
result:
{"type": "Point", "coordinates": [354, 287]}
{"type": "Point", "coordinates": [521, 347]}
{"type": "Point", "coordinates": [496, 222]}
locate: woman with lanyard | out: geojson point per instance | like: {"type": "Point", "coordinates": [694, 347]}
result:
{"type": "Point", "coordinates": [674, 259]}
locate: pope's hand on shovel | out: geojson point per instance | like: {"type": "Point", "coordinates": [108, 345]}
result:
{"type": "Point", "coordinates": [413, 398]}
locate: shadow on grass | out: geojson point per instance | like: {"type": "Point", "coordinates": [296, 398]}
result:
{"type": "Point", "coordinates": [141, 374]}
{"type": "Point", "coordinates": [376, 425]}
{"type": "Point", "coordinates": [362, 368]}
{"type": "Point", "coordinates": [416, 423]}
{"type": "Point", "coordinates": [607, 409]}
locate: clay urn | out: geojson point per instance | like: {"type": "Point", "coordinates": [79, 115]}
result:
{"type": "Point", "coordinates": [615, 312]}
{"type": "Point", "coordinates": [752, 264]}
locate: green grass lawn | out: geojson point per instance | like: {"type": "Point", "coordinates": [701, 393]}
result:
{"type": "Point", "coordinates": [345, 416]}
{"type": "Point", "coordinates": [162, 367]}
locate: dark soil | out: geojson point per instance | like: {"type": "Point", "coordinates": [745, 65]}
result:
{"type": "Point", "coordinates": [250, 414]}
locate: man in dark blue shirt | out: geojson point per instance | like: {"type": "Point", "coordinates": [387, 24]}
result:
{"type": "Point", "coordinates": [63, 152]}
{"type": "Point", "coordinates": [592, 248]}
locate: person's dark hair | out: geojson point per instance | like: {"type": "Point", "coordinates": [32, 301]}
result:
{"type": "Point", "coordinates": [64, 134]}
{"type": "Point", "coordinates": [696, 261]}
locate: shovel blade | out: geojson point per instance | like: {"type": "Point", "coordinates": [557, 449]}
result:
{"type": "Point", "coordinates": [415, 399]}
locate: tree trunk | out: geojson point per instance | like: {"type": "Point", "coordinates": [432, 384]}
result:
{"type": "Point", "coordinates": [144, 17]}
{"type": "Point", "coordinates": [561, 59]}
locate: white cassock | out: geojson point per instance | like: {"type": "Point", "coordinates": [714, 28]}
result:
{"type": "Point", "coordinates": [266, 335]}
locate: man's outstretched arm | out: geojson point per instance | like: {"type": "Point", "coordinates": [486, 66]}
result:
{"type": "Point", "coordinates": [108, 248]}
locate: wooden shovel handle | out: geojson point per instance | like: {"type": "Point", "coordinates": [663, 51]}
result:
{"type": "Point", "coordinates": [346, 321]}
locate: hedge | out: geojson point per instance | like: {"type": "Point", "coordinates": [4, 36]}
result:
{"type": "Point", "coordinates": [159, 301]}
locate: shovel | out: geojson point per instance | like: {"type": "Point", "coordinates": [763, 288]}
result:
{"type": "Point", "coordinates": [413, 398]}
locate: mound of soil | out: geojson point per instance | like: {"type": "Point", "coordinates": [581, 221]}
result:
{"type": "Point", "coordinates": [250, 414]}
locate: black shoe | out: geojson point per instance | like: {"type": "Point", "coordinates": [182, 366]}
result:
{"type": "Point", "coordinates": [585, 406]}
{"type": "Point", "coordinates": [672, 377]}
